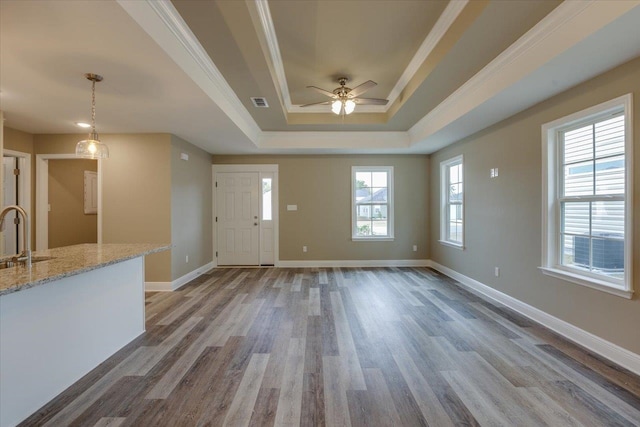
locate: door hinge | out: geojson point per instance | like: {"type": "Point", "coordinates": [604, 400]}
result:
{"type": "Point", "coordinates": [216, 254]}
{"type": "Point", "coordinates": [216, 219]}
{"type": "Point", "coordinates": [216, 184]}
{"type": "Point", "coordinates": [16, 172]}
{"type": "Point", "coordinates": [16, 220]}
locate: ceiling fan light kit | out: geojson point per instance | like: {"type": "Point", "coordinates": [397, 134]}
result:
{"type": "Point", "coordinates": [345, 99]}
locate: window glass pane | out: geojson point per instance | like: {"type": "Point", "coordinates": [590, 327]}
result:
{"type": "Point", "coordinates": [455, 193]}
{"type": "Point", "coordinates": [578, 179]}
{"type": "Point", "coordinates": [377, 195]}
{"type": "Point", "coordinates": [607, 257]}
{"type": "Point", "coordinates": [610, 175]}
{"type": "Point", "coordinates": [576, 251]}
{"type": "Point", "coordinates": [379, 179]}
{"type": "Point", "coordinates": [364, 212]}
{"type": "Point", "coordinates": [379, 227]}
{"type": "Point", "coordinates": [607, 219]}
{"type": "Point", "coordinates": [453, 174]}
{"type": "Point", "coordinates": [266, 199]}
{"type": "Point", "coordinates": [578, 144]}
{"type": "Point", "coordinates": [364, 228]}
{"type": "Point", "coordinates": [609, 137]}
{"type": "Point", "coordinates": [363, 180]}
{"type": "Point", "coordinates": [575, 218]}
{"type": "Point", "coordinates": [363, 194]}
{"type": "Point", "coordinates": [455, 213]}
{"type": "Point", "coordinates": [379, 212]}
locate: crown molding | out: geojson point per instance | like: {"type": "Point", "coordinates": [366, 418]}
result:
{"type": "Point", "coordinates": [161, 20]}
{"type": "Point", "coordinates": [445, 21]}
{"type": "Point", "coordinates": [260, 12]}
{"type": "Point", "coordinates": [564, 27]}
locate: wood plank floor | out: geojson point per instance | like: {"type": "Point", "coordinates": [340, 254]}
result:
{"type": "Point", "coordinates": [343, 347]}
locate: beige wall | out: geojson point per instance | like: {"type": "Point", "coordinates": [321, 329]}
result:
{"type": "Point", "coordinates": [136, 191]}
{"type": "Point", "coordinates": [68, 224]}
{"type": "Point", "coordinates": [321, 187]}
{"type": "Point", "coordinates": [18, 141]}
{"type": "Point", "coordinates": [503, 215]}
{"type": "Point", "coordinates": [191, 215]}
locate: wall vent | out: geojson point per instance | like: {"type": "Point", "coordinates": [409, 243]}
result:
{"type": "Point", "coordinates": [259, 102]}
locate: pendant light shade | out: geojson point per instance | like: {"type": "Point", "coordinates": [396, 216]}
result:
{"type": "Point", "coordinates": [92, 148]}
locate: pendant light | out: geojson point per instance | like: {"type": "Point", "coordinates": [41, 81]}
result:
{"type": "Point", "coordinates": [92, 148]}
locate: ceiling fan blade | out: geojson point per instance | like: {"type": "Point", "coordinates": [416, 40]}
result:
{"type": "Point", "coordinates": [317, 103]}
{"type": "Point", "coordinates": [324, 92]}
{"type": "Point", "coordinates": [362, 88]}
{"type": "Point", "coordinates": [371, 101]}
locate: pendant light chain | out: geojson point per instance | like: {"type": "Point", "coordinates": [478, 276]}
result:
{"type": "Point", "coordinates": [93, 106]}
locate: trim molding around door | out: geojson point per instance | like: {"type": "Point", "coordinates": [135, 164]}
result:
{"type": "Point", "coordinates": [42, 197]}
{"type": "Point", "coordinates": [24, 183]}
{"type": "Point", "coordinates": [267, 168]}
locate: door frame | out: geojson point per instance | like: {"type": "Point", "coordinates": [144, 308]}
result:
{"type": "Point", "coordinates": [42, 197]}
{"type": "Point", "coordinates": [24, 183]}
{"type": "Point", "coordinates": [267, 168]}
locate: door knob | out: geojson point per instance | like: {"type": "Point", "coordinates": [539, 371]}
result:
{"type": "Point", "coordinates": [255, 223]}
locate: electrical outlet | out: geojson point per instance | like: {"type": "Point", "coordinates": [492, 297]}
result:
{"type": "Point", "coordinates": [186, 259]}
{"type": "Point", "coordinates": [415, 248]}
{"type": "Point", "coordinates": [497, 271]}
{"type": "Point", "coordinates": [304, 249]}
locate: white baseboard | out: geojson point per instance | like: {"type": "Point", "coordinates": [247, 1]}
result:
{"type": "Point", "coordinates": [157, 287]}
{"type": "Point", "coordinates": [600, 346]}
{"type": "Point", "coordinates": [179, 282]}
{"type": "Point", "coordinates": [355, 263]}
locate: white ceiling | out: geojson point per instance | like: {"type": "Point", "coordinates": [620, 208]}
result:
{"type": "Point", "coordinates": [159, 78]}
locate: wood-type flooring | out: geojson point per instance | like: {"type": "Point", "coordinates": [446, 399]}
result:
{"type": "Point", "coordinates": [343, 347]}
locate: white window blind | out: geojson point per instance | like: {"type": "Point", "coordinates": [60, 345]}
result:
{"type": "Point", "coordinates": [592, 196]}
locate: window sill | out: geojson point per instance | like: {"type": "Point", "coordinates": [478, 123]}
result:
{"type": "Point", "coordinates": [451, 244]}
{"type": "Point", "coordinates": [589, 282]}
{"type": "Point", "coordinates": [372, 239]}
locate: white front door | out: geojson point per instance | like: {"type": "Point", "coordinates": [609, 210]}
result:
{"type": "Point", "coordinates": [238, 210]}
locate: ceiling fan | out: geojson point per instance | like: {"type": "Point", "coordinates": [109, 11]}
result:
{"type": "Point", "coordinates": [344, 99]}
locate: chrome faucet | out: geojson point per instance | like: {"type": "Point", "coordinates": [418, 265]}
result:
{"type": "Point", "coordinates": [25, 256]}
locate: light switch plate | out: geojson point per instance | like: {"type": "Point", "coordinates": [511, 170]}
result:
{"type": "Point", "coordinates": [292, 207]}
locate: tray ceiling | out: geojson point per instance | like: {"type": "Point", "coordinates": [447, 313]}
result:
{"type": "Point", "coordinates": [190, 67]}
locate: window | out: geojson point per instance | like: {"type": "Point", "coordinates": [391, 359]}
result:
{"type": "Point", "coordinates": [372, 202]}
{"type": "Point", "coordinates": [588, 182]}
{"type": "Point", "coordinates": [452, 202]}
{"type": "Point", "coordinates": [266, 199]}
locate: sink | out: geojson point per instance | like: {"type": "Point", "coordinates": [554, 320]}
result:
{"type": "Point", "coordinates": [9, 263]}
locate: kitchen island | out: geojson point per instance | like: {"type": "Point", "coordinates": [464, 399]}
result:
{"type": "Point", "coordinates": [64, 316]}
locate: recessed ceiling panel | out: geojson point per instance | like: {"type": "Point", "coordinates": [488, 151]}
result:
{"type": "Point", "coordinates": [373, 40]}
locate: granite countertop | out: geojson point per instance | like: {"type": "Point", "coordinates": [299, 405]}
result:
{"type": "Point", "coordinates": [72, 260]}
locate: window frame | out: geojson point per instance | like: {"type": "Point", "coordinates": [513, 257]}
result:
{"type": "Point", "coordinates": [552, 179]}
{"type": "Point", "coordinates": [390, 204]}
{"type": "Point", "coordinates": [445, 166]}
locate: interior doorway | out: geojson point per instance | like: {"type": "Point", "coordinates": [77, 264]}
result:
{"type": "Point", "coordinates": [88, 217]}
{"type": "Point", "coordinates": [245, 214]}
{"type": "Point", "coordinates": [16, 191]}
